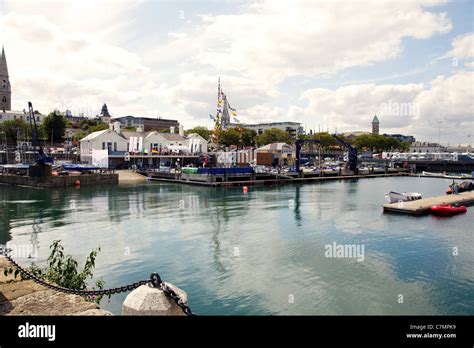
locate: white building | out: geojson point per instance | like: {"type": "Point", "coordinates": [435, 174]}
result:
{"type": "Point", "coordinates": [120, 143]}
{"type": "Point", "coordinates": [292, 128]}
{"type": "Point", "coordinates": [15, 115]}
{"type": "Point", "coordinates": [425, 147]}
{"type": "Point", "coordinates": [109, 139]}
{"type": "Point", "coordinates": [166, 142]}
{"type": "Point", "coordinates": [196, 143]}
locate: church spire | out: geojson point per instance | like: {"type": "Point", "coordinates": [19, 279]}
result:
{"type": "Point", "coordinates": [5, 88]}
{"type": "Point", "coordinates": [3, 64]}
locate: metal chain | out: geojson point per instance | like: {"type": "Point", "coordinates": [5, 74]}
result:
{"type": "Point", "coordinates": [100, 292]}
{"type": "Point", "coordinates": [155, 281]}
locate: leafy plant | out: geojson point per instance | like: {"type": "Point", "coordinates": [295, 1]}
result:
{"type": "Point", "coordinates": [63, 270]}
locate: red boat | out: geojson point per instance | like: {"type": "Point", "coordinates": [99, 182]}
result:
{"type": "Point", "coordinates": [447, 210]}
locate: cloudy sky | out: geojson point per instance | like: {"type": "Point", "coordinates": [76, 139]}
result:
{"type": "Point", "coordinates": [325, 64]}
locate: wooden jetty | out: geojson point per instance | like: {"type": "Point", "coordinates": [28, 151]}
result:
{"type": "Point", "coordinates": [267, 181]}
{"type": "Point", "coordinates": [422, 206]}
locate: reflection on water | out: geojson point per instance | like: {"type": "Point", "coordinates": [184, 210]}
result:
{"type": "Point", "coordinates": [238, 253]}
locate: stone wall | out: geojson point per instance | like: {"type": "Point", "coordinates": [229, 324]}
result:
{"type": "Point", "coordinates": [61, 181]}
{"type": "Point", "coordinates": [25, 297]}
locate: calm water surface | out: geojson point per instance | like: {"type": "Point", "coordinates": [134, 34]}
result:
{"type": "Point", "coordinates": [249, 254]}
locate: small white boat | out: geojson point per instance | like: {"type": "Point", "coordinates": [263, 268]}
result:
{"type": "Point", "coordinates": [447, 176]}
{"type": "Point", "coordinates": [394, 197]}
{"type": "Point", "coordinates": [441, 175]}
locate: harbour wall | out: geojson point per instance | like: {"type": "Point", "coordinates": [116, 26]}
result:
{"type": "Point", "coordinates": [61, 181]}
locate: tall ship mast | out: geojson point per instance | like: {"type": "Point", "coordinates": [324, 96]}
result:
{"type": "Point", "coordinates": [224, 110]}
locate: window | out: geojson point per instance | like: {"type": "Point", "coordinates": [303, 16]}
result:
{"type": "Point", "coordinates": [4, 99]}
{"type": "Point", "coordinates": [103, 145]}
{"type": "Point", "coordinates": [14, 117]}
{"type": "Point", "coordinates": [115, 146]}
{"type": "Point", "coordinates": [37, 118]}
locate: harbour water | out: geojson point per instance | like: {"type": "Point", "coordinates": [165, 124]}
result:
{"type": "Point", "coordinates": [261, 252]}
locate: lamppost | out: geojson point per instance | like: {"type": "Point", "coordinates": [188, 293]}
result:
{"type": "Point", "coordinates": [439, 134]}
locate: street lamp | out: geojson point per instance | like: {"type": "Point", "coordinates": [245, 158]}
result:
{"type": "Point", "coordinates": [439, 134]}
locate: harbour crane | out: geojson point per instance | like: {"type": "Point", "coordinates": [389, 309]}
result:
{"type": "Point", "coordinates": [352, 152]}
{"type": "Point", "coordinates": [42, 158]}
{"type": "Point", "coordinates": [298, 144]}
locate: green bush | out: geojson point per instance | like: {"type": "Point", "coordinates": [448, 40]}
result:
{"type": "Point", "coordinates": [63, 270]}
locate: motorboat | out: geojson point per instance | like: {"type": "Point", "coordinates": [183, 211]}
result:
{"type": "Point", "coordinates": [394, 197]}
{"type": "Point", "coordinates": [447, 176]}
{"type": "Point", "coordinates": [462, 187]}
{"type": "Point", "coordinates": [447, 209]}
{"type": "Point", "coordinates": [441, 175]}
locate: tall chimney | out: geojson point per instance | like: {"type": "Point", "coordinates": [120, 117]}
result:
{"type": "Point", "coordinates": [172, 130]}
{"type": "Point", "coordinates": [117, 127]}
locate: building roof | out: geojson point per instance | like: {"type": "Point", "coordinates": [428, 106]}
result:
{"type": "Point", "coordinates": [97, 134]}
{"type": "Point", "coordinates": [355, 134]}
{"type": "Point", "coordinates": [94, 135]}
{"type": "Point", "coordinates": [195, 135]}
{"type": "Point", "coordinates": [144, 118]}
{"type": "Point", "coordinates": [12, 112]}
{"type": "Point", "coordinates": [3, 64]}
{"type": "Point", "coordinates": [275, 147]}
{"type": "Point", "coordinates": [172, 136]}
{"type": "Point", "coordinates": [375, 120]}
{"type": "Point", "coordinates": [129, 134]}
{"type": "Point", "coordinates": [298, 124]}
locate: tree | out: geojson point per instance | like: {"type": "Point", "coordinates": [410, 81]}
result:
{"type": "Point", "coordinates": [15, 130]}
{"type": "Point", "coordinates": [249, 137]}
{"type": "Point", "coordinates": [98, 127]}
{"type": "Point", "coordinates": [378, 143]}
{"type": "Point", "coordinates": [274, 135]}
{"type": "Point", "coordinates": [325, 138]}
{"type": "Point", "coordinates": [63, 270]}
{"type": "Point", "coordinates": [54, 125]}
{"type": "Point", "coordinates": [202, 131]}
{"type": "Point", "coordinates": [230, 137]}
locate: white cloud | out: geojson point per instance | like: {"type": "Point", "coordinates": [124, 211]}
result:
{"type": "Point", "coordinates": [78, 55]}
{"type": "Point", "coordinates": [449, 99]}
{"type": "Point", "coordinates": [194, 96]}
{"type": "Point", "coordinates": [271, 40]}
{"type": "Point", "coordinates": [463, 47]}
{"type": "Point", "coordinates": [352, 107]}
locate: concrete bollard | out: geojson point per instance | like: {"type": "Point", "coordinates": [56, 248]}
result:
{"type": "Point", "coordinates": [148, 300]}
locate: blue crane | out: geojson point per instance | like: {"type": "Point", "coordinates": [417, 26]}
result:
{"type": "Point", "coordinates": [298, 144]}
{"type": "Point", "coordinates": [42, 158]}
{"type": "Point", "coordinates": [352, 152]}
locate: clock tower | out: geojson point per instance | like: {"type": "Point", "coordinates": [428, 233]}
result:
{"type": "Point", "coordinates": [5, 88]}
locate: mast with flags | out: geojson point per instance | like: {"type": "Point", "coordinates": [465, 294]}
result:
{"type": "Point", "coordinates": [223, 115]}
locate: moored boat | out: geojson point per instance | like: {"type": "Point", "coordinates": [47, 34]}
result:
{"type": "Point", "coordinates": [394, 197]}
{"type": "Point", "coordinates": [441, 175]}
{"type": "Point", "coordinates": [458, 188]}
{"type": "Point", "coordinates": [447, 209]}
